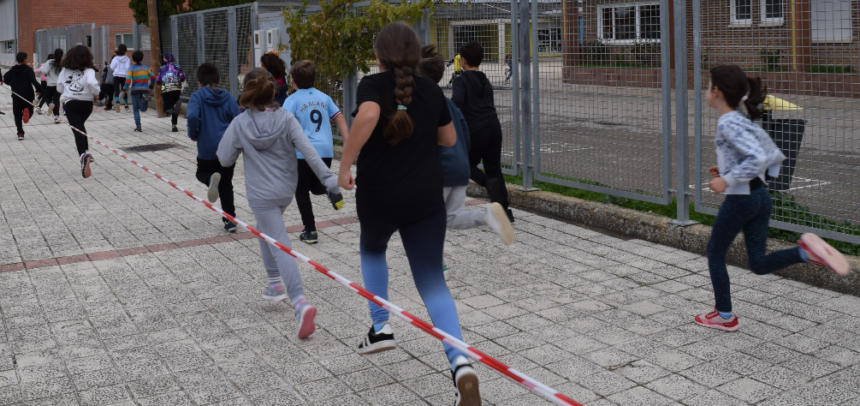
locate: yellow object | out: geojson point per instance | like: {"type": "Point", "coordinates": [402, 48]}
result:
{"type": "Point", "coordinates": [773, 103]}
{"type": "Point", "coordinates": [457, 63]}
{"type": "Point", "coordinates": [338, 205]}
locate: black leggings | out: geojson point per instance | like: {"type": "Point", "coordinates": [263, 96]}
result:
{"type": "Point", "coordinates": [43, 90]}
{"type": "Point", "coordinates": [77, 112]}
{"type": "Point", "coordinates": [51, 95]}
{"type": "Point", "coordinates": [308, 183]}
{"type": "Point", "coordinates": [18, 107]}
{"type": "Point", "coordinates": [118, 87]}
{"type": "Point", "coordinates": [486, 147]}
{"type": "Point", "coordinates": [170, 98]}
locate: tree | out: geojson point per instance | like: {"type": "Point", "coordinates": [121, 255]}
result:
{"type": "Point", "coordinates": [171, 7]}
{"type": "Point", "coordinates": [339, 39]}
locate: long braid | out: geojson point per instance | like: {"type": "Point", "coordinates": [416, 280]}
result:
{"type": "Point", "coordinates": [399, 51]}
{"type": "Point", "coordinates": [401, 124]}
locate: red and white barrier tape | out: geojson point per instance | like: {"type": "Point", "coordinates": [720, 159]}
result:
{"type": "Point", "coordinates": [539, 388]}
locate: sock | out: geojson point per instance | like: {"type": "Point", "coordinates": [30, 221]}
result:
{"type": "Point", "coordinates": [299, 303]}
{"type": "Point", "coordinates": [377, 327]}
{"type": "Point", "coordinates": [725, 315]}
{"type": "Point", "coordinates": [803, 254]}
{"type": "Point", "coordinates": [275, 281]}
{"type": "Point", "coordinates": [460, 360]}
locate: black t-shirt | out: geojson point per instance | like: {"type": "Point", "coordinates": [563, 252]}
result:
{"type": "Point", "coordinates": [410, 172]}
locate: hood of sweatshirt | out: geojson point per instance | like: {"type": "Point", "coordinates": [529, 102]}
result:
{"type": "Point", "coordinates": [477, 80]}
{"type": "Point", "coordinates": [168, 58]}
{"type": "Point", "coordinates": [215, 97]}
{"type": "Point", "coordinates": [123, 60]}
{"type": "Point", "coordinates": [270, 125]}
{"type": "Point", "coordinates": [17, 69]}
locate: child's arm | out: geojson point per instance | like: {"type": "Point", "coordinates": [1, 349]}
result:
{"type": "Point", "coordinates": [752, 157]}
{"type": "Point", "coordinates": [91, 81]}
{"type": "Point", "coordinates": [303, 144]}
{"type": "Point", "coordinates": [192, 114]}
{"type": "Point", "coordinates": [362, 127]}
{"type": "Point", "coordinates": [35, 83]}
{"type": "Point", "coordinates": [229, 148]}
{"type": "Point", "coordinates": [342, 127]}
{"type": "Point", "coordinates": [458, 93]}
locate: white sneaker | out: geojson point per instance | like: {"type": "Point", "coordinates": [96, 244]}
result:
{"type": "Point", "coordinates": [214, 180]}
{"type": "Point", "coordinates": [819, 252]}
{"type": "Point", "coordinates": [498, 221]}
{"type": "Point", "coordinates": [466, 383]}
{"type": "Point", "coordinates": [57, 120]}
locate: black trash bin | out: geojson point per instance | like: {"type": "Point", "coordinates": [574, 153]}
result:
{"type": "Point", "coordinates": [787, 134]}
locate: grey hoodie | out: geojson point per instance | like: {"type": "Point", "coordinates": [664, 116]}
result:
{"type": "Point", "coordinates": [269, 140]}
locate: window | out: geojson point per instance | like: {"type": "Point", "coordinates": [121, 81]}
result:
{"type": "Point", "coordinates": [144, 41]}
{"type": "Point", "coordinates": [831, 21]}
{"type": "Point", "coordinates": [629, 23]}
{"type": "Point", "coordinates": [549, 40]}
{"type": "Point", "coordinates": [771, 11]}
{"type": "Point", "coordinates": [127, 39]}
{"type": "Point", "coordinates": [7, 47]}
{"type": "Point", "coordinates": [741, 11]}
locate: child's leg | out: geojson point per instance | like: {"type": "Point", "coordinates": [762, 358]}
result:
{"type": "Point", "coordinates": [492, 159]}
{"type": "Point", "coordinates": [755, 237]}
{"type": "Point", "coordinates": [479, 141]}
{"type": "Point", "coordinates": [117, 87]}
{"type": "Point", "coordinates": [376, 230]}
{"type": "Point", "coordinates": [225, 188]}
{"type": "Point", "coordinates": [303, 195]}
{"type": "Point", "coordinates": [271, 222]}
{"type": "Point", "coordinates": [55, 99]}
{"type": "Point", "coordinates": [135, 103]}
{"type": "Point", "coordinates": [423, 242]}
{"type": "Point", "coordinates": [77, 113]}
{"type": "Point", "coordinates": [734, 213]}
{"type": "Point", "coordinates": [18, 113]}
{"type": "Point", "coordinates": [458, 219]}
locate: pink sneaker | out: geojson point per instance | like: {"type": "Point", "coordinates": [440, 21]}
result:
{"type": "Point", "coordinates": [714, 320]}
{"type": "Point", "coordinates": [819, 252]}
{"type": "Point", "coordinates": [306, 314]}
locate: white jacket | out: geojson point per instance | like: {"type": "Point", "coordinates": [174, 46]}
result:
{"type": "Point", "coordinates": [119, 66]}
{"type": "Point", "coordinates": [52, 75]}
{"type": "Point", "coordinates": [77, 85]}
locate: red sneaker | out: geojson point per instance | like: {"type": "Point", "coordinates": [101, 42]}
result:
{"type": "Point", "coordinates": [714, 320]}
{"type": "Point", "coordinates": [819, 252]}
{"type": "Point", "coordinates": [26, 116]}
{"type": "Point", "coordinates": [20, 136]}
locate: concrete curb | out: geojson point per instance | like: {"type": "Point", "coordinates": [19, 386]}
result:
{"type": "Point", "coordinates": [654, 228]}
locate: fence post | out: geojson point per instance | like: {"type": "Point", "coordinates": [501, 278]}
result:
{"type": "Point", "coordinates": [534, 154]}
{"type": "Point", "coordinates": [232, 47]}
{"type": "Point", "coordinates": [697, 99]}
{"type": "Point", "coordinates": [515, 85]}
{"type": "Point", "coordinates": [682, 160]}
{"type": "Point", "coordinates": [666, 92]}
{"type": "Point", "coordinates": [201, 39]}
{"type": "Point", "coordinates": [135, 37]}
{"type": "Point", "coordinates": [525, 95]}
{"type": "Point", "coordinates": [174, 38]}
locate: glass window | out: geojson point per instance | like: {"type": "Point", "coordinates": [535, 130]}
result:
{"type": "Point", "coordinates": [771, 11]}
{"type": "Point", "coordinates": [630, 23]}
{"type": "Point", "coordinates": [649, 17]}
{"type": "Point", "coordinates": [741, 11]}
{"type": "Point", "coordinates": [127, 39]}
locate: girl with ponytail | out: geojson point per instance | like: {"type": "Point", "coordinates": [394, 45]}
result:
{"type": "Point", "coordinates": [745, 156]}
{"type": "Point", "coordinates": [401, 120]}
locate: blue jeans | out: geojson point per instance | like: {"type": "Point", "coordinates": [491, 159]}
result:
{"type": "Point", "coordinates": [422, 230]}
{"type": "Point", "coordinates": [509, 70]}
{"type": "Point", "coordinates": [750, 213]}
{"type": "Point", "coordinates": [138, 104]}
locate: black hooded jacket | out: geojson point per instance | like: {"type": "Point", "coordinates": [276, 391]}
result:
{"type": "Point", "coordinates": [473, 94]}
{"type": "Point", "coordinates": [22, 79]}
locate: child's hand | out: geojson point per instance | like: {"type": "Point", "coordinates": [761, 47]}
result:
{"type": "Point", "coordinates": [336, 200]}
{"type": "Point", "coordinates": [345, 181]}
{"type": "Point", "coordinates": [718, 185]}
{"type": "Point", "coordinates": [714, 171]}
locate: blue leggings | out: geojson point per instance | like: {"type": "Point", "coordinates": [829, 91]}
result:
{"type": "Point", "coordinates": [422, 230]}
{"type": "Point", "coordinates": [750, 213]}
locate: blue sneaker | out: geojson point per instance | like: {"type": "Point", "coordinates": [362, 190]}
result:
{"type": "Point", "coordinates": [275, 293]}
{"type": "Point", "coordinates": [229, 226]}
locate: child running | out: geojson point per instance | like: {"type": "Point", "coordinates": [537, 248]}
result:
{"type": "Point", "coordinates": [276, 66]}
{"type": "Point", "coordinates": [106, 92]}
{"type": "Point", "coordinates": [22, 80]}
{"type": "Point", "coordinates": [119, 65]}
{"type": "Point", "coordinates": [314, 110]}
{"type": "Point", "coordinates": [473, 94]}
{"type": "Point", "coordinates": [400, 121]}
{"type": "Point", "coordinates": [51, 68]}
{"type": "Point", "coordinates": [210, 111]}
{"type": "Point", "coordinates": [44, 82]}
{"type": "Point", "coordinates": [80, 89]}
{"type": "Point", "coordinates": [137, 83]}
{"type": "Point", "coordinates": [455, 165]}
{"type": "Point", "coordinates": [745, 155]}
{"type": "Point", "coordinates": [170, 77]}
{"type": "Point", "coordinates": [268, 137]}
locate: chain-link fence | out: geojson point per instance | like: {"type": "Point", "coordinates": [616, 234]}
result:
{"type": "Point", "coordinates": [48, 40]}
{"type": "Point", "coordinates": [806, 53]}
{"type": "Point", "coordinates": [102, 41]}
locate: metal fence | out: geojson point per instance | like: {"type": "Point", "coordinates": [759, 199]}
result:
{"type": "Point", "coordinates": [102, 40]}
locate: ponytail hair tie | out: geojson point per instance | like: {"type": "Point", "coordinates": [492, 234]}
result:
{"type": "Point", "coordinates": [401, 107]}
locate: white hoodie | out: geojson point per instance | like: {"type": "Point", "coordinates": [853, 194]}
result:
{"type": "Point", "coordinates": [50, 73]}
{"type": "Point", "coordinates": [120, 65]}
{"type": "Point", "coordinates": [77, 85]}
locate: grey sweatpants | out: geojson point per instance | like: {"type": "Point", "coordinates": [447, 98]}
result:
{"type": "Point", "coordinates": [458, 219]}
{"type": "Point", "coordinates": [270, 221]}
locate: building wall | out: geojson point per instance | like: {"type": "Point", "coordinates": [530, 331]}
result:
{"type": "Point", "coordinates": [34, 15]}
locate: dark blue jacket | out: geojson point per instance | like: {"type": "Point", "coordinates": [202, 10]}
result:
{"type": "Point", "coordinates": [209, 113]}
{"type": "Point", "coordinates": [455, 160]}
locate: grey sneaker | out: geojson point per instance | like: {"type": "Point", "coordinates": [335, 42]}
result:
{"type": "Point", "coordinates": [305, 315]}
{"type": "Point", "coordinates": [214, 180]}
{"type": "Point", "coordinates": [498, 221]}
{"type": "Point", "coordinates": [275, 294]}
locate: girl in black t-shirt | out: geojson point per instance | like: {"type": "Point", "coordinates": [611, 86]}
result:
{"type": "Point", "coordinates": [400, 121]}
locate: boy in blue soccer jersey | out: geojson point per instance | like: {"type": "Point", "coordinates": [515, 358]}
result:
{"type": "Point", "coordinates": [315, 111]}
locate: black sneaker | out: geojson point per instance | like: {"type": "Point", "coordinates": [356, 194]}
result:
{"type": "Point", "coordinates": [336, 200]}
{"type": "Point", "coordinates": [308, 237]}
{"type": "Point", "coordinates": [378, 342]}
{"type": "Point", "coordinates": [138, 130]}
{"type": "Point", "coordinates": [86, 160]}
{"type": "Point", "coordinates": [466, 383]}
{"type": "Point", "coordinates": [230, 226]}
{"type": "Point", "coordinates": [176, 130]}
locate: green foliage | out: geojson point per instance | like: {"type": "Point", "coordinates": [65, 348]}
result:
{"type": "Point", "coordinates": [171, 7]}
{"type": "Point", "coordinates": [784, 206]}
{"type": "Point", "coordinates": [339, 39]}
{"type": "Point", "coordinates": [770, 59]}
{"type": "Point", "coordinates": [830, 69]}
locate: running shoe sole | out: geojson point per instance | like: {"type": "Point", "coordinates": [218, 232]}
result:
{"type": "Point", "coordinates": [26, 116]}
{"type": "Point", "coordinates": [378, 346]}
{"type": "Point", "coordinates": [467, 385]}
{"type": "Point", "coordinates": [502, 217]}
{"type": "Point", "coordinates": [213, 187]}
{"type": "Point", "coordinates": [86, 171]}
{"type": "Point", "coordinates": [821, 253]}
{"type": "Point", "coordinates": [118, 108]}
{"type": "Point", "coordinates": [276, 299]}
{"type": "Point", "coordinates": [306, 323]}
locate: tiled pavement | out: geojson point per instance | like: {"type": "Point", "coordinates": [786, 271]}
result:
{"type": "Point", "coordinates": [142, 322]}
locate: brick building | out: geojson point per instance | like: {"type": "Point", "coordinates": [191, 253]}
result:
{"type": "Point", "coordinates": [20, 19]}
